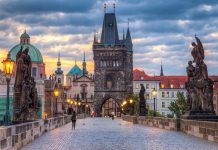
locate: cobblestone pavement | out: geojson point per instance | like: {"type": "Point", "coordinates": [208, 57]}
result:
{"type": "Point", "coordinates": [107, 134]}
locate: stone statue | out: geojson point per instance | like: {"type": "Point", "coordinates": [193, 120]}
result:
{"type": "Point", "coordinates": [199, 86]}
{"type": "Point", "coordinates": [142, 101]}
{"type": "Point", "coordinates": [26, 102]}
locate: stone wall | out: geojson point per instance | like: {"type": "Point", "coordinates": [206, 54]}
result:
{"type": "Point", "coordinates": [160, 122]}
{"type": "Point", "coordinates": [164, 123]}
{"type": "Point", "coordinates": [16, 136]}
{"type": "Point", "coordinates": [202, 129]}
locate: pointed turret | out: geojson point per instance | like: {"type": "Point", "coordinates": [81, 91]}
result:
{"type": "Point", "coordinates": [161, 70]}
{"type": "Point", "coordinates": [59, 71]}
{"type": "Point", "coordinates": [85, 72]}
{"type": "Point", "coordinates": [95, 38]}
{"type": "Point", "coordinates": [128, 38]}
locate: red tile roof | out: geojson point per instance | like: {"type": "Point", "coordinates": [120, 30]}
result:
{"type": "Point", "coordinates": [167, 81]}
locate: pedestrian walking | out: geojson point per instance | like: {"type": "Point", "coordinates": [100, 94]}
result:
{"type": "Point", "coordinates": [73, 119]}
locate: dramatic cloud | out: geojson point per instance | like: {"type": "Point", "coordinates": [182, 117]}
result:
{"type": "Point", "coordinates": [161, 30]}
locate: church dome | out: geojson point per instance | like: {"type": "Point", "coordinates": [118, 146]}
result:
{"type": "Point", "coordinates": [75, 71]}
{"type": "Point", "coordinates": [34, 53]}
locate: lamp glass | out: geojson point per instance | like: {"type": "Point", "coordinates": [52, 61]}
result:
{"type": "Point", "coordinates": [56, 93]}
{"type": "Point", "coordinates": [8, 65]}
{"type": "Point", "coordinates": [154, 92]}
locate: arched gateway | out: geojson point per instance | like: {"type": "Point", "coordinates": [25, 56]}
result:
{"type": "Point", "coordinates": [113, 63]}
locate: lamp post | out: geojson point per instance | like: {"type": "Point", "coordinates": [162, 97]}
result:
{"type": "Point", "coordinates": [8, 65]}
{"type": "Point", "coordinates": [131, 103]}
{"type": "Point", "coordinates": [56, 94]}
{"type": "Point", "coordinates": [154, 93]}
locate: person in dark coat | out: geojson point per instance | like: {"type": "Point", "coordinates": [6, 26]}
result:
{"type": "Point", "coordinates": [73, 119]}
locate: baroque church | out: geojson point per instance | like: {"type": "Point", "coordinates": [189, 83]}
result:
{"type": "Point", "coordinates": [113, 61]}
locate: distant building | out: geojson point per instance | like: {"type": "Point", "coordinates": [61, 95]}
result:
{"type": "Point", "coordinates": [80, 87]}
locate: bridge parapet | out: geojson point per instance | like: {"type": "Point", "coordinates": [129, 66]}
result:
{"type": "Point", "coordinates": [16, 136]}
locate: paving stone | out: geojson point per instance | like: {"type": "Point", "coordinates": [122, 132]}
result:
{"type": "Point", "coordinates": [107, 134]}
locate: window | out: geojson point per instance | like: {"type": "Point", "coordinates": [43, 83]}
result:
{"type": "Point", "coordinates": [109, 81]}
{"type": "Point", "coordinates": [163, 94]}
{"type": "Point", "coordinates": [172, 94]}
{"type": "Point", "coordinates": [147, 86]}
{"type": "Point", "coordinates": [171, 86]}
{"type": "Point", "coordinates": [163, 113]}
{"type": "Point", "coordinates": [142, 78]}
{"type": "Point", "coordinates": [162, 86]}
{"type": "Point", "coordinates": [34, 71]}
{"type": "Point", "coordinates": [147, 96]}
{"type": "Point", "coordinates": [163, 105]}
{"type": "Point", "coordinates": [137, 86]}
{"type": "Point", "coordinates": [168, 94]}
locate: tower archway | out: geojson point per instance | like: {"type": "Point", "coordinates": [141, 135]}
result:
{"type": "Point", "coordinates": [110, 107]}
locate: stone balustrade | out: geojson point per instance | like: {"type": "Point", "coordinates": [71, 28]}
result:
{"type": "Point", "coordinates": [16, 136]}
{"type": "Point", "coordinates": [160, 122]}
{"type": "Point", "coordinates": [203, 129]}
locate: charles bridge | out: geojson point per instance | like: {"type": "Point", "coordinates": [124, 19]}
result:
{"type": "Point", "coordinates": [128, 132]}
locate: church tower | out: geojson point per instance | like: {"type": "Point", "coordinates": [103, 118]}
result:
{"type": "Point", "coordinates": [113, 61]}
{"type": "Point", "coordinates": [59, 73]}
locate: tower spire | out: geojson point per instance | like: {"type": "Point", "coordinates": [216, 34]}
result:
{"type": "Point", "coordinates": [114, 5]}
{"type": "Point", "coordinates": [59, 71]}
{"type": "Point", "coordinates": [161, 70]}
{"type": "Point", "coordinates": [128, 37]}
{"type": "Point", "coordinates": [84, 65]}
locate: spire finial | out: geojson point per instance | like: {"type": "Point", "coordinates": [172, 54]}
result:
{"type": "Point", "coordinates": [84, 57]}
{"type": "Point", "coordinates": [105, 7]}
{"type": "Point", "coordinates": [161, 70]}
{"type": "Point", "coordinates": [128, 22]}
{"type": "Point", "coordinates": [114, 5]}
{"type": "Point", "coordinates": [58, 56]}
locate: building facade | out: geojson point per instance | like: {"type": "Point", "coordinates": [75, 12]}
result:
{"type": "Point", "coordinates": [113, 63]}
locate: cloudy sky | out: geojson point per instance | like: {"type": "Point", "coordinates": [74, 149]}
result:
{"type": "Point", "coordinates": [162, 30]}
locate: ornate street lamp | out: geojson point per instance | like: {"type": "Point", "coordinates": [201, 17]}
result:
{"type": "Point", "coordinates": [56, 94]}
{"type": "Point", "coordinates": [154, 93]}
{"type": "Point", "coordinates": [8, 65]}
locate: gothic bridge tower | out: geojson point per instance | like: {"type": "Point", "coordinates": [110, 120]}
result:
{"type": "Point", "coordinates": [113, 61]}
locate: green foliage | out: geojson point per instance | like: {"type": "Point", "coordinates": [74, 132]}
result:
{"type": "Point", "coordinates": [132, 108]}
{"type": "Point", "coordinates": [151, 113]}
{"type": "Point", "coordinates": [179, 106]}
{"type": "Point", "coordinates": [170, 115]}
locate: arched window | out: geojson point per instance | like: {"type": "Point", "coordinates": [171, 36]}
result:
{"type": "Point", "coordinates": [109, 81]}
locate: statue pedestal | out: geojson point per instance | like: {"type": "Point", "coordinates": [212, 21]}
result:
{"type": "Point", "coordinates": [200, 115]}
{"type": "Point", "coordinates": [142, 108]}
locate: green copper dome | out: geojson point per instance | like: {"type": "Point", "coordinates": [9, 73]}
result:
{"type": "Point", "coordinates": [75, 71]}
{"type": "Point", "coordinates": [34, 53]}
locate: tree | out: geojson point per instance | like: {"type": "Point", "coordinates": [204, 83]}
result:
{"type": "Point", "coordinates": [179, 106]}
{"type": "Point", "coordinates": [133, 107]}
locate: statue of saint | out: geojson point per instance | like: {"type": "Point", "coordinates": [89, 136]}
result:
{"type": "Point", "coordinates": [142, 92]}
{"type": "Point", "coordinates": [197, 51]}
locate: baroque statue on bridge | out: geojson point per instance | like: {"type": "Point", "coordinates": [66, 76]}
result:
{"type": "Point", "coordinates": [199, 87]}
{"type": "Point", "coordinates": [26, 103]}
